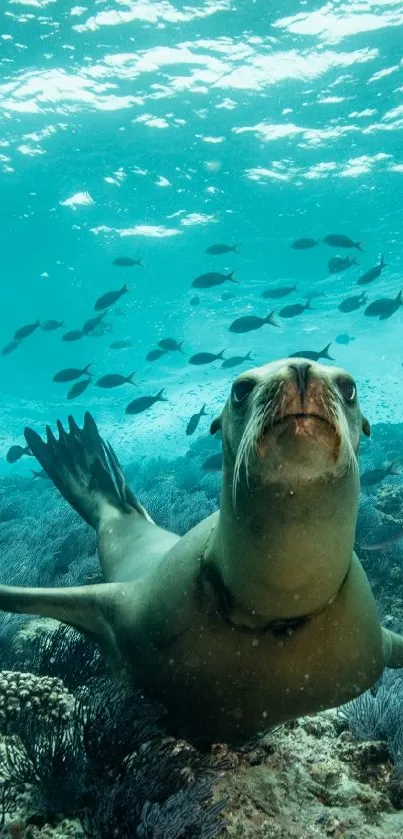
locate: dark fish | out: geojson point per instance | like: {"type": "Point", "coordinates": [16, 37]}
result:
{"type": "Point", "coordinates": [73, 335]}
{"type": "Point", "coordinates": [11, 347]}
{"type": "Point", "coordinates": [91, 324]}
{"type": "Point", "coordinates": [205, 357]}
{"type": "Point", "coordinates": [337, 240]}
{"type": "Point", "coordinates": [315, 356]}
{"type": "Point", "coordinates": [382, 537]}
{"type": "Point", "coordinates": [40, 474]}
{"type": "Point", "coordinates": [344, 338]}
{"type": "Point", "coordinates": [153, 355]}
{"type": "Point", "coordinates": [137, 406]}
{"type": "Point", "coordinates": [194, 421]}
{"type": "Point", "coordinates": [228, 295]}
{"type": "Point", "coordinates": [294, 310]}
{"type": "Point", "coordinates": [248, 323]}
{"type": "Point", "coordinates": [373, 273]}
{"type": "Point", "coordinates": [280, 291]}
{"type": "Point", "coordinates": [115, 380]}
{"type": "Point", "coordinates": [213, 278]}
{"type": "Point", "coordinates": [170, 345]}
{"type": "Point", "coordinates": [337, 264]}
{"type": "Point", "coordinates": [109, 298]}
{"type": "Point", "coordinates": [16, 452]}
{"type": "Point", "coordinates": [384, 307]}
{"type": "Point", "coordinates": [127, 262]}
{"type": "Point", "coordinates": [213, 463]}
{"type": "Point", "coordinates": [375, 476]}
{"type": "Point", "coordinates": [235, 360]}
{"type": "Point", "coordinates": [217, 250]}
{"type": "Point", "coordinates": [51, 325]}
{"type": "Point", "coordinates": [121, 345]}
{"type": "Point", "coordinates": [349, 304]}
{"type": "Point", "coordinates": [71, 373]}
{"type": "Point", "coordinates": [78, 388]}
{"type": "Point", "coordinates": [194, 301]}
{"type": "Point", "coordinates": [25, 331]}
{"type": "Point", "coordinates": [304, 244]}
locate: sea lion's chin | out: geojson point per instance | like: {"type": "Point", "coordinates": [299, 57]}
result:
{"type": "Point", "coordinates": [309, 443]}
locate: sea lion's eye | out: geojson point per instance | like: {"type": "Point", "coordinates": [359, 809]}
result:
{"type": "Point", "coordinates": [347, 389]}
{"type": "Point", "coordinates": [242, 389]}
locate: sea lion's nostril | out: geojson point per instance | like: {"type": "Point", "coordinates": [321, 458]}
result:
{"type": "Point", "coordinates": [301, 373]}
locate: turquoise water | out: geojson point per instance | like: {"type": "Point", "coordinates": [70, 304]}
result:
{"type": "Point", "coordinates": [154, 130]}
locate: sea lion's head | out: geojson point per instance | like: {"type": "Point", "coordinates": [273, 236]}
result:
{"type": "Point", "coordinates": [291, 420]}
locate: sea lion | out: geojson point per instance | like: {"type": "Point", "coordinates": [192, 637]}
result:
{"type": "Point", "coordinates": [262, 612]}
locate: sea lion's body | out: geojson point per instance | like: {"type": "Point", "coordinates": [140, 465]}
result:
{"type": "Point", "coordinates": [262, 612]}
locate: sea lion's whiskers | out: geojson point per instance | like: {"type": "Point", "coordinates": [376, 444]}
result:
{"type": "Point", "coordinates": [254, 428]}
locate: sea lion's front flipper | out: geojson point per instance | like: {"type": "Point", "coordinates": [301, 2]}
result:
{"type": "Point", "coordinates": [91, 609]}
{"type": "Point", "coordinates": [85, 470]}
{"type": "Point", "coordinates": [392, 648]}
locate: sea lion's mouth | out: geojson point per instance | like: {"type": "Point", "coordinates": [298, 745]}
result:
{"type": "Point", "coordinates": [300, 415]}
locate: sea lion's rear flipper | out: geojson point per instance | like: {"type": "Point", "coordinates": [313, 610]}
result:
{"type": "Point", "coordinates": [392, 648]}
{"type": "Point", "coordinates": [91, 609]}
{"type": "Point", "coordinates": [85, 470]}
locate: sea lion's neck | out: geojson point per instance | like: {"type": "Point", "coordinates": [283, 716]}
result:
{"type": "Point", "coordinates": [284, 552]}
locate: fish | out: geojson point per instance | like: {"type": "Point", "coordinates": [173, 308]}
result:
{"type": "Point", "coordinates": [153, 355]}
{"type": "Point", "coordinates": [78, 388]}
{"type": "Point", "coordinates": [337, 240]}
{"type": "Point", "coordinates": [17, 452]}
{"type": "Point", "coordinates": [115, 380]}
{"type": "Point", "coordinates": [349, 304]}
{"type": "Point", "coordinates": [374, 476]}
{"type": "Point", "coordinates": [315, 356]}
{"type": "Point", "coordinates": [170, 345]}
{"type": "Point", "coordinates": [337, 264]}
{"type": "Point", "coordinates": [373, 273]}
{"type": "Point", "coordinates": [205, 357]}
{"type": "Point", "coordinates": [248, 323]}
{"type": "Point", "coordinates": [217, 250]}
{"type": "Point", "coordinates": [121, 345]}
{"type": "Point", "coordinates": [195, 301]}
{"type": "Point", "coordinates": [25, 331]}
{"type": "Point", "coordinates": [344, 338]}
{"type": "Point", "coordinates": [294, 310]}
{"type": "Point", "coordinates": [11, 347]}
{"type": "Point", "coordinates": [304, 244]}
{"type": "Point", "coordinates": [51, 325]}
{"type": "Point", "coordinates": [213, 463]}
{"type": "Point", "coordinates": [382, 537]}
{"type": "Point", "coordinates": [91, 324]}
{"type": "Point", "coordinates": [109, 298]}
{"type": "Point", "coordinates": [235, 360]}
{"type": "Point", "coordinates": [143, 403]}
{"type": "Point", "coordinates": [384, 307]}
{"type": "Point", "coordinates": [213, 278]}
{"type": "Point", "coordinates": [127, 262]}
{"type": "Point", "coordinates": [36, 473]}
{"type": "Point", "coordinates": [68, 374]}
{"type": "Point", "coordinates": [73, 335]}
{"type": "Point", "coordinates": [280, 291]}
{"type": "Point", "coordinates": [228, 295]}
{"type": "Point", "coordinates": [194, 421]}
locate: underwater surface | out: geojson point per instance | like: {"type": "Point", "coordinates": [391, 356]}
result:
{"type": "Point", "coordinates": [168, 172]}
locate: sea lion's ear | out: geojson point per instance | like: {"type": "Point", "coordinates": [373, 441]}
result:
{"type": "Point", "coordinates": [366, 427]}
{"type": "Point", "coordinates": [215, 425]}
